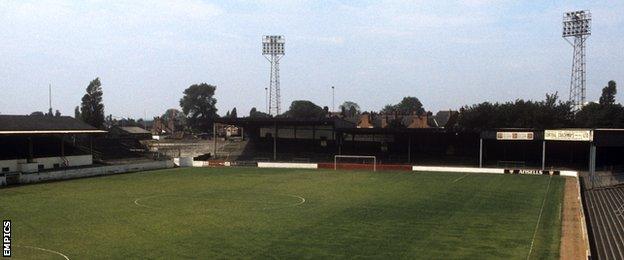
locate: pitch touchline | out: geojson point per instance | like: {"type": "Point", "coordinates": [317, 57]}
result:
{"type": "Point", "coordinates": [539, 217]}
{"type": "Point", "coordinates": [46, 250]}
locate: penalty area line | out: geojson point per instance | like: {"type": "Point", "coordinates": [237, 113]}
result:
{"type": "Point", "coordinates": [539, 217]}
{"type": "Point", "coordinates": [458, 179]}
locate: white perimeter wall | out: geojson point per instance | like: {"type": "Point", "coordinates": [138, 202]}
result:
{"type": "Point", "coordinates": [569, 173]}
{"type": "Point", "coordinates": [77, 160]}
{"type": "Point", "coordinates": [287, 165]}
{"type": "Point", "coordinates": [93, 171]}
{"type": "Point", "coordinates": [456, 169]}
{"type": "Point", "coordinates": [11, 164]}
{"type": "Point", "coordinates": [476, 170]}
{"type": "Point", "coordinates": [48, 162]}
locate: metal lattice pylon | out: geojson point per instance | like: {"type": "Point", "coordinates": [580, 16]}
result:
{"type": "Point", "coordinates": [577, 25]}
{"type": "Point", "coordinates": [274, 86]}
{"type": "Point", "coordinates": [273, 51]}
{"type": "Point", "coordinates": [578, 80]}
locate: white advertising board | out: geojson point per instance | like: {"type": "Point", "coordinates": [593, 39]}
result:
{"type": "Point", "coordinates": [569, 135]}
{"type": "Point", "coordinates": [514, 136]}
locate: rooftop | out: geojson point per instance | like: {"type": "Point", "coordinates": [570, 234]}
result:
{"type": "Point", "coordinates": [134, 130]}
{"type": "Point", "coordinates": [18, 124]}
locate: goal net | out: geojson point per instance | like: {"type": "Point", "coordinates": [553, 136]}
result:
{"type": "Point", "coordinates": [355, 162]}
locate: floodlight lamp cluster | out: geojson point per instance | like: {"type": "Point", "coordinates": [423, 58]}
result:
{"type": "Point", "coordinates": [577, 23]}
{"type": "Point", "coordinates": [273, 45]}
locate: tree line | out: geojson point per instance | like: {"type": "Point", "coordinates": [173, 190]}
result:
{"type": "Point", "coordinates": [548, 113]}
{"type": "Point", "coordinates": [198, 111]}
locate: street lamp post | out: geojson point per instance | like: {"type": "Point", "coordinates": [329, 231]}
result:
{"type": "Point", "coordinates": [333, 99]}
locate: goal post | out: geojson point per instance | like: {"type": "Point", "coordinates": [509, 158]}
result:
{"type": "Point", "coordinates": [359, 159]}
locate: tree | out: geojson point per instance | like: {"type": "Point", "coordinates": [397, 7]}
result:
{"type": "Point", "coordinates": [595, 115]}
{"type": "Point", "coordinates": [305, 109]}
{"type": "Point", "coordinates": [350, 109]}
{"type": "Point", "coordinates": [109, 121]}
{"type": "Point", "coordinates": [549, 113]}
{"type": "Point", "coordinates": [407, 106]}
{"type": "Point", "coordinates": [605, 113]}
{"type": "Point", "coordinates": [254, 113]}
{"type": "Point", "coordinates": [77, 113]}
{"type": "Point", "coordinates": [608, 94]}
{"type": "Point", "coordinates": [178, 118]}
{"type": "Point", "coordinates": [57, 113]}
{"type": "Point", "coordinates": [233, 113]}
{"type": "Point", "coordinates": [199, 105]}
{"type": "Point", "coordinates": [37, 113]}
{"type": "Point", "coordinates": [91, 108]}
{"type": "Point", "coordinates": [387, 109]}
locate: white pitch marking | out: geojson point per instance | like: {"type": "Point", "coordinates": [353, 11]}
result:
{"type": "Point", "coordinates": [136, 201]}
{"type": "Point", "coordinates": [539, 217]}
{"type": "Point", "coordinates": [458, 179]}
{"type": "Point", "coordinates": [301, 201]}
{"type": "Point", "coordinates": [46, 250]}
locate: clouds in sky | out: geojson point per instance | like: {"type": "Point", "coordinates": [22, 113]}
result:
{"type": "Point", "coordinates": [447, 53]}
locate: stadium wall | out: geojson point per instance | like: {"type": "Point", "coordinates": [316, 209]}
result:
{"type": "Point", "coordinates": [10, 164]}
{"type": "Point", "coordinates": [391, 167]}
{"type": "Point", "coordinates": [287, 165]}
{"type": "Point", "coordinates": [457, 169]}
{"type": "Point", "coordinates": [21, 165]}
{"type": "Point", "coordinates": [90, 172]}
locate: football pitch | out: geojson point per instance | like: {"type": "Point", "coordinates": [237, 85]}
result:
{"type": "Point", "coordinates": [207, 213]}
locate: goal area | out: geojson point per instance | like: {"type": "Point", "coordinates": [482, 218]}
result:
{"type": "Point", "coordinates": [353, 162]}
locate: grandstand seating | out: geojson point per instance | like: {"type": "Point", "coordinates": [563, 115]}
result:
{"type": "Point", "coordinates": [605, 209]}
{"type": "Point", "coordinates": [16, 147]}
{"type": "Point", "coordinates": [114, 148]}
{"type": "Point", "coordinates": [424, 150]}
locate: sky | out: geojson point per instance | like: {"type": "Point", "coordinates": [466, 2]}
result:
{"type": "Point", "coordinates": [446, 53]}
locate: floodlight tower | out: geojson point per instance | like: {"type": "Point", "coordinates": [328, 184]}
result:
{"type": "Point", "coordinates": [273, 51]}
{"type": "Point", "coordinates": [577, 24]}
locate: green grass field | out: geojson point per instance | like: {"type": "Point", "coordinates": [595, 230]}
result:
{"type": "Point", "coordinates": [206, 213]}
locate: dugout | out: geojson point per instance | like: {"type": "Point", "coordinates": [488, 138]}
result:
{"type": "Point", "coordinates": [37, 143]}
